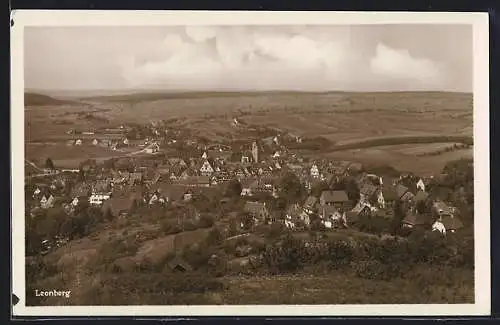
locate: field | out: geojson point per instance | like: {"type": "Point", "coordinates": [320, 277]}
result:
{"type": "Point", "coordinates": [424, 120]}
{"type": "Point", "coordinates": [403, 157]}
{"type": "Point", "coordinates": [337, 287]}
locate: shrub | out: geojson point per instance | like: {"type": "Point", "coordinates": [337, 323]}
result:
{"type": "Point", "coordinates": [206, 221]}
{"type": "Point", "coordinates": [170, 227]}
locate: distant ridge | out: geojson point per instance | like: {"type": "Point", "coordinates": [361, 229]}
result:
{"type": "Point", "coordinates": [35, 99]}
{"type": "Point", "coordinates": [153, 95]}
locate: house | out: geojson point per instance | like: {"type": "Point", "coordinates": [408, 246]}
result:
{"type": "Point", "coordinates": [78, 142]}
{"type": "Point", "coordinates": [292, 216]}
{"type": "Point", "coordinates": [245, 159]}
{"type": "Point", "coordinates": [421, 185]}
{"type": "Point", "coordinates": [403, 193]}
{"type": "Point", "coordinates": [359, 211]}
{"type": "Point", "coordinates": [36, 192]}
{"type": "Point", "coordinates": [47, 201]}
{"type": "Point", "coordinates": [355, 167]}
{"type": "Point", "coordinates": [178, 264]}
{"type": "Point", "coordinates": [166, 192]}
{"type": "Point", "coordinates": [368, 193]}
{"type": "Point", "coordinates": [101, 191]}
{"type": "Point", "coordinates": [177, 162]}
{"type": "Point", "coordinates": [331, 217]}
{"type": "Point", "coordinates": [248, 186]}
{"type": "Point", "coordinates": [95, 142]}
{"type": "Point", "coordinates": [314, 171]}
{"type": "Point", "coordinates": [195, 181]}
{"type": "Point", "coordinates": [153, 148]}
{"type": "Point", "coordinates": [447, 223]}
{"type": "Point", "coordinates": [440, 208]}
{"type": "Point", "coordinates": [206, 169]}
{"type": "Point", "coordinates": [387, 197]}
{"type": "Point", "coordinates": [135, 178]}
{"type": "Point", "coordinates": [337, 199]}
{"type": "Point", "coordinates": [257, 210]}
{"type": "Point", "coordinates": [81, 190]}
{"type": "Point", "coordinates": [413, 219]}
{"type": "Point", "coordinates": [310, 205]}
{"type": "Point", "coordinates": [76, 200]}
{"type": "Point", "coordinates": [98, 198]}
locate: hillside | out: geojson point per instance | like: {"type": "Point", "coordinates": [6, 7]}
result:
{"type": "Point", "coordinates": [34, 99]}
{"type": "Point", "coordinates": [144, 96]}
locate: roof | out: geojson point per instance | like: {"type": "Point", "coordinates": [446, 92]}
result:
{"type": "Point", "coordinates": [451, 222]}
{"type": "Point", "coordinates": [101, 186]}
{"type": "Point", "coordinates": [356, 211]}
{"type": "Point", "coordinates": [359, 208]}
{"type": "Point", "coordinates": [294, 211]}
{"type": "Point", "coordinates": [311, 201]}
{"type": "Point", "coordinates": [415, 219]}
{"type": "Point", "coordinates": [441, 207]}
{"type": "Point", "coordinates": [255, 208]}
{"type": "Point", "coordinates": [401, 190]}
{"type": "Point", "coordinates": [117, 205]}
{"type": "Point", "coordinates": [81, 189]}
{"type": "Point", "coordinates": [368, 189]}
{"type": "Point", "coordinates": [171, 191]}
{"type": "Point", "coordinates": [195, 180]}
{"type": "Point", "coordinates": [135, 177]}
{"type": "Point", "coordinates": [334, 196]}
{"type": "Point", "coordinates": [421, 196]}
{"type": "Point", "coordinates": [328, 210]}
{"type": "Point", "coordinates": [178, 261]}
{"type": "Point", "coordinates": [389, 193]}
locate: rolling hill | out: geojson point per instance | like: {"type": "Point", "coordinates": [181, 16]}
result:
{"type": "Point", "coordinates": [35, 99]}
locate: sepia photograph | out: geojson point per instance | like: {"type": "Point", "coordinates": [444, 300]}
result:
{"type": "Point", "coordinates": [250, 163]}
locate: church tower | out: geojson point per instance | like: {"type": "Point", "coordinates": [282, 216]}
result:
{"type": "Point", "coordinates": [255, 152]}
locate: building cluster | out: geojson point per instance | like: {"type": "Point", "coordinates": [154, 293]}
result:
{"type": "Point", "coordinates": [177, 178]}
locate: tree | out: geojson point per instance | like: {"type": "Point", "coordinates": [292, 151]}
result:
{"type": "Point", "coordinates": [233, 189]}
{"type": "Point", "coordinates": [317, 189]}
{"type": "Point", "coordinates": [352, 190]}
{"type": "Point", "coordinates": [108, 214]}
{"type": "Point", "coordinates": [49, 164]}
{"type": "Point", "coordinates": [81, 175]}
{"type": "Point", "coordinates": [291, 187]}
{"type": "Point", "coordinates": [397, 218]}
{"type": "Point", "coordinates": [109, 163]}
{"type": "Point", "coordinates": [421, 207]}
{"type": "Point", "coordinates": [214, 237]}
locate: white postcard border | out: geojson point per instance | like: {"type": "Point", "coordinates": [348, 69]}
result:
{"type": "Point", "coordinates": [479, 21]}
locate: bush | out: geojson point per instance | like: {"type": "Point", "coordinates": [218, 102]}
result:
{"type": "Point", "coordinates": [170, 227]}
{"type": "Point", "coordinates": [371, 269]}
{"type": "Point", "coordinates": [340, 253]}
{"type": "Point", "coordinates": [206, 221]}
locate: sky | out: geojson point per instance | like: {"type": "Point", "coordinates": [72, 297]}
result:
{"type": "Point", "coordinates": [303, 58]}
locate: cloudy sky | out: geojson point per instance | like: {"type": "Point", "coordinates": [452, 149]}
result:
{"type": "Point", "coordinates": [310, 58]}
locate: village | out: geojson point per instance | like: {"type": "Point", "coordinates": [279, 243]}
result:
{"type": "Point", "coordinates": [257, 182]}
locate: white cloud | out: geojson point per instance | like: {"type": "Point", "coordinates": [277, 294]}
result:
{"type": "Point", "coordinates": [246, 57]}
{"type": "Point", "coordinates": [251, 60]}
{"type": "Point", "coordinates": [399, 64]}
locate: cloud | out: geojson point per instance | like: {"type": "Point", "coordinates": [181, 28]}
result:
{"type": "Point", "coordinates": [319, 58]}
{"type": "Point", "coordinates": [236, 57]}
{"type": "Point", "coordinates": [399, 64]}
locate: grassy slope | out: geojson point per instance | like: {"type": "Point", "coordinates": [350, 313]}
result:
{"type": "Point", "coordinates": [34, 99]}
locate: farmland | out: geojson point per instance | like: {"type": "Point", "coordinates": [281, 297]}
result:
{"type": "Point", "coordinates": [350, 121]}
